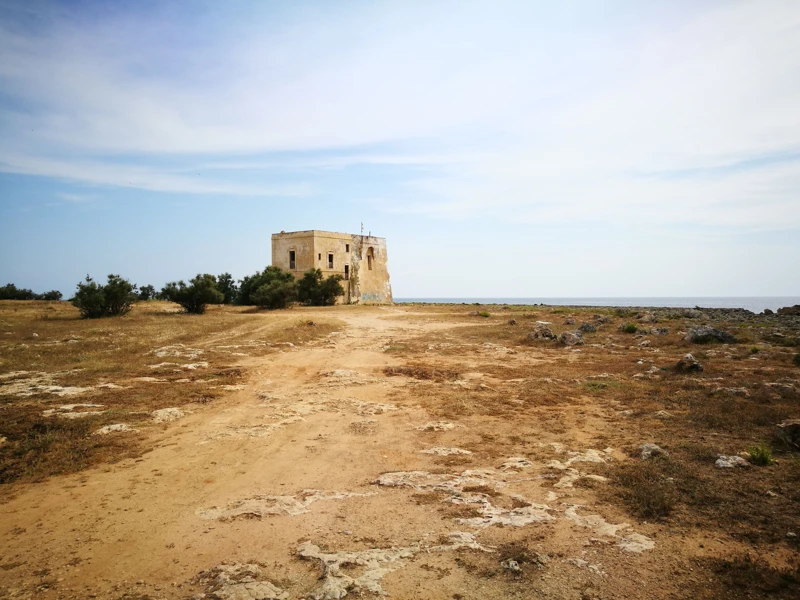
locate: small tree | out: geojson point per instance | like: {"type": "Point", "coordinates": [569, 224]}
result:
{"type": "Point", "coordinates": [227, 286]}
{"type": "Point", "coordinates": [312, 290]}
{"type": "Point", "coordinates": [52, 295]}
{"type": "Point", "coordinates": [251, 283]}
{"type": "Point", "coordinates": [111, 300]}
{"type": "Point", "coordinates": [202, 290]}
{"type": "Point", "coordinates": [12, 292]}
{"type": "Point", "coordinates": [276, 294]}
{"type": "Point", "coordinates": [147, 292]}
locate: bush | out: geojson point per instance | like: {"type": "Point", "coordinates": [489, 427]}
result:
{"type": "Point", "coordinates": [760, 455]}
{"type": "Point", "coordinates": [484, 314]}
{"type": "Point", "coordinates": [202, 290]}
{"type": "Point", "coordinates": [796, 359]}
{"type": "Point", "coordinates": [250, 284]}
{"type": "Point", "coordinates": [146, 292]}
{"type": "Point", "coordinates": [315, 291]}
{"type": "Point", "coordinates": [628, 328]}
{"type": "Point", "coordinates": [113, 299]}
{"type": "Point", "coordinates": [276, 294]}
{"type": "Point", "coordinates": [12, 292]}
{"type": "Point", "coordinates": [52, 296]}
{"type": "Point", "coordinates": [227, 287]}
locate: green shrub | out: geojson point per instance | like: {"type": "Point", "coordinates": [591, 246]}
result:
{"type": "Point", "coordinates": [275, 294]}
{"type": "Point", "coordinates": [146, 292]}
{"type": "Point", "coordinates": [113, 299]}
{"type": "Point", "coordinates": [754, 350]}
{"type": "Point", "coordinates": [227, 287]}
{"type": "Point", "coordinates": [12, 292]}
{"type": "Point", "coordinates": [628, 328]}
{"type": "Point", "coordinates": [796, 359]}
{"type": "Point", "coordinates": [251, 283]}
{"type": "Point", "coordinates": [760, 455]}
{"type": "Point", "coordinates": [314, 291]}
{"type": "Point", "coordinates": [484, 314]}
{"type": "Point", "coordinates": [201, 291]}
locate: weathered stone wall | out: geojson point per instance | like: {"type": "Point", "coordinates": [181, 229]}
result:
{"type": "Point", "coordinates": [370, 285]}
{"type": "Point", "coordinates": [363, 285]}
{"type": "Point", "coordinates": [302, 242]}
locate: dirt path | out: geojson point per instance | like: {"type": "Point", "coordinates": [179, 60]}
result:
{"type": "Point", "coordinates": [316, 472]}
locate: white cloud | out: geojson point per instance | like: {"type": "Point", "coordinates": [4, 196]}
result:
{"type": "Point", "coordinates": [556, 113]}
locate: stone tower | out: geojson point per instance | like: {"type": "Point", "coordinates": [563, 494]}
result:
{"type": "Point", "coordinates": [361, 260]}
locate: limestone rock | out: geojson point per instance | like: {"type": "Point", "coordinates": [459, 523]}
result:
{"type": "Point", "coordinates": [650, 450]}
{"type": "Point", "coordinates": [587, 328]}
{"type": "Point", "coordinates": [512, 321]}
{"type": "Point", "coordinates": [689, 364]}
{"type": "Point", "coordinates": [730, 462]}
{"type": "Point", "coordinates": [790, 310]}
{"type": "Point", "coordinates": [542, 332]}
{"type": "Point", "coordinates": [706, 334]}
{"type": "Point", "coordinates": [116, 427]}
{"type": "Point", "coordinates": [571, 338]}
{"type": "Point", "coordinates": [789, 432]}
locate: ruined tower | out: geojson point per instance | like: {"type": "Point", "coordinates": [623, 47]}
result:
{"type": "Point", "coordinates": [361, 260]}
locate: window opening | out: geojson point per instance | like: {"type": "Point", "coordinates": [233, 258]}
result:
{"type": "Point", "coordinates": [346, 272]}
{"type": "Point", "coordinates": [347, 247]}
{"type": "Point", "coordinates": [319, 256]}
{"type": "Point", "coordinates": [292, 261]}
{"type": "Point", "coordinates": [370, 256]}
{"type": "Point", "coordinates": [330, 261]}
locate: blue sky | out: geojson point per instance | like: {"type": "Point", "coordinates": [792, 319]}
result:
{"type": "Point", "coordinates": [505, 149]}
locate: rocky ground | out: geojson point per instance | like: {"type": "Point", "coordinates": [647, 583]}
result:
{"type": "Point", "coordinates": [412, 451]}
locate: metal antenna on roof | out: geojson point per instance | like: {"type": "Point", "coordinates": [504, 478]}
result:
{"type": "Point", "coordinates": [362, 228]}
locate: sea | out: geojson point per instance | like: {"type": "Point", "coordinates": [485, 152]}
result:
{"type": "Point", "coordinates": [755, 304]}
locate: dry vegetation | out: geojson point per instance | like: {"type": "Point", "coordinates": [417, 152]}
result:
{"type": "Point", "coordinates": [719, 533]}
{"type": "Point", "coordinates": [153, 358]}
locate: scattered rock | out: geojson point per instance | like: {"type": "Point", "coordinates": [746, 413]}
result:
{"type": "Point", "coordinates": [165, 415]}
{"type": "Point", "coordinates": [659, 331]}
{"type": "Point", "coordinates": [650, 450]}
{"type": "Point", "coordinates": [767, 312]}
{"type": "Point", "coordinates": [437, 426]}
{"type": "Point", "coordinates": [512, 321]}
{"type": "Point", "coordinates": [644, 344]}
{"type": "Point", "coordinates": [706, 334]}
{"type": "Point", "coordinates": [240, 582]}
{"type": "Point", "coordinates": [440, 451]}
{"type": "Point", "coordinates": [517, 462]}
{"type": "Point", "coordinates": [542, 332]}
{"type": "Point", "coordinates": [115, 428]}
{"type": "Point", "coordinates": [789, 432]}
{"type": "Point", "coordinates": [663, 414]}
{"type": "Point", "coordinates": [571, 338]}
{"type": "Point", "coordinates": [262, 505]}
{"type": "Point", "coordinates": [730, 462]}
{"type": "Point", "coordinates": [789, 310]}
{"type": "Point", "coordinates": [689, 364]}
{"type": "Point", "coordinates": [587, 328]}
{"type": "Point", "coordinates": [511, 565]}
{"type": "Point", "coordinates": [569, 321]}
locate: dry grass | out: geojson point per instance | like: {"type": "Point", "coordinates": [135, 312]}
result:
{"type": "Point", "coordinates": [48, 342]}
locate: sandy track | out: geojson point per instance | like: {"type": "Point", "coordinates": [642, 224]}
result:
{"type": "Point", "coordinates": [289, 464]}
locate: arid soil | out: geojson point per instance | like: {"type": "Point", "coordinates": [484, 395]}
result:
{"type": "Point", "coordinates": [411, 451]}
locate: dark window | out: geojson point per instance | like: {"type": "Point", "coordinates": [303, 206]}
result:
{"type": "Point", "coordinates": [292, 261]}
{"type": "Point", "coordinates": [330, 261]}
{"type": "Point", "coordinates": [319, 256]}
{"type": "Point", "coordinates": [370, 256]}
{"type": "Point", "coordinates": [346, 272]}
{"type": "Point", "coordinates": [347, 247]}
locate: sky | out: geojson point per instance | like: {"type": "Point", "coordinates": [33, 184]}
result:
{"type": "Point", "coordinates": [504, 149]}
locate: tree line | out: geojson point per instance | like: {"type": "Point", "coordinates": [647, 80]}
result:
{"type": "Point", "coordinates": [271, 288]}
{"type": "Point", "coordinates": [12, 292]}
